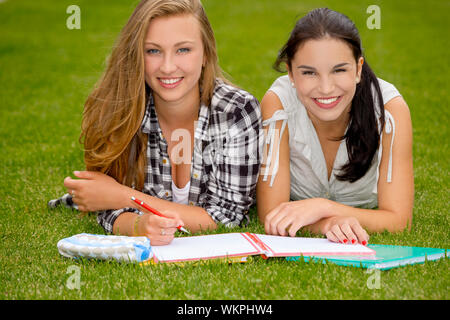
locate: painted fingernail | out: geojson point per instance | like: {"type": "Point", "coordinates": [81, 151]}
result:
{"type": "Point", "coordinates": [353, 241]}
{"type": "Point", "coordinates": [364, 242]}
{"type": "Point", "coordinates": [345, 240]}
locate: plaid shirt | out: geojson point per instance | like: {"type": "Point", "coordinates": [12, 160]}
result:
{"type": "Point", "coordinates": [228, 142]}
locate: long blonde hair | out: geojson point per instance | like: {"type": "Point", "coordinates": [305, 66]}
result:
{"type": "Point", "coordinates": [113, 112]}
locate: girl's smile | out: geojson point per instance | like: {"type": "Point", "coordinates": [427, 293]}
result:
{"type": "Point", "coordinates": [170, 83]}
{"type": "Point", "coordinates": [327, 103]}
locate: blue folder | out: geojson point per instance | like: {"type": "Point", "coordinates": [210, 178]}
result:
{"type": "Point", "coordinates": [387, 257]}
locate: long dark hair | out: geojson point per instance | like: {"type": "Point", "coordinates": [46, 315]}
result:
{"type": "Point", "coordinates": [362, 136]}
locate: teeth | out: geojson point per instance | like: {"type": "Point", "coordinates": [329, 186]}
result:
{"type": "Point", "coordinates": [327, 101]}
{"type": "Point", "coordinates": [170, 81]}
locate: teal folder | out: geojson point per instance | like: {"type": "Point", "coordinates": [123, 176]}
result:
{"type": "Point", "coordinates": [387, 257]}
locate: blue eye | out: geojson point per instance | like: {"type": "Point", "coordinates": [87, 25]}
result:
{"type": "Point", "coordinates": [152, 51]}
{"type": "Point", "coordinates": [183, 50]}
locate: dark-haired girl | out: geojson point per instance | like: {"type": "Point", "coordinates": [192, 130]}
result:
{"type": "Point", "coordinates": [339, 140]}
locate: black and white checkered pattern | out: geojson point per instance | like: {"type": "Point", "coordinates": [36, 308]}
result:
{"type": "Point", "coordinates": [227, 156]}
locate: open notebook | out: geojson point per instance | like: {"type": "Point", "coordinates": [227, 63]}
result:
{"type": "Point", "coordinates": [228, 245]}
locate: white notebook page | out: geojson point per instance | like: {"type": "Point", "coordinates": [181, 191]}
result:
{"type": "Point", "coordinates": [204, 247]}
{"type": "Point", "coordinates": [288, 246]}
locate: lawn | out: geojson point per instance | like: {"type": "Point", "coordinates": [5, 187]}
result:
{"type": "Point", "coordinates": [47, 71]}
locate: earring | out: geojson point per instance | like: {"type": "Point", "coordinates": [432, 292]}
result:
{"type": "Point", "coordinates": [293, 85]}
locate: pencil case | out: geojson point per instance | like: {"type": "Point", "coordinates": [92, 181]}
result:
{"type": "Point", "coordinates": [106, 247]}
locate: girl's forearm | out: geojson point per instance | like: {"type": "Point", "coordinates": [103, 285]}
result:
{"type": "Point", "coordinates": [194, 218]}
{"type": "Point", "coordinates": [125, 224]}
{"type": "Point", "coordinates": [373, 220]}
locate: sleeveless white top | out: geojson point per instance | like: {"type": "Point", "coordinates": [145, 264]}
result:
{"type": "Point", "coordinates": [308, 170]}
{"type": "Point", "coordinates": [180, 195]}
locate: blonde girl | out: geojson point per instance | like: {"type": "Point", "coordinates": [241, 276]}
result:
{"type": "Point", "coordinates": [165, 126]}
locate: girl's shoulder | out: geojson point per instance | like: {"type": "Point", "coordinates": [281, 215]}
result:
{"type": "Point", "coordinates": [395, 107]}
{"type": "Point", "coordinates": [388, 90]}
{"type": "Point", "coordinates": [286, 93]}
{"type": "Point", "coordinates": [229, 99]}
{"type": "Point", "coordinates": [231, 111]}
{"type": "Point", "coordinates": [282, 81]}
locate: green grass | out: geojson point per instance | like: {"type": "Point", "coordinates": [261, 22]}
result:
{"type": "Point", "coordinates": [47, 71]}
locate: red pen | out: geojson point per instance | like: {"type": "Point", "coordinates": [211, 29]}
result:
{"type": "Point", "coordinates": [154, 211]}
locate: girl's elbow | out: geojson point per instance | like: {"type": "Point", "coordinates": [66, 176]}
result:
{"type": "Point", "coordinates": [262, 212]}
{"type": "Point", "coordinates": [401, 224]}
{"type": "Point", "coordinates": [261, 215]}
{"type": "Point", "coordinates": [406, 224]}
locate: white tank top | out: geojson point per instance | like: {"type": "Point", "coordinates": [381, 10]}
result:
{"type": "Point", "coordinates": [308, 170]}
{"type": "Point", "coordinates": [180, 195]}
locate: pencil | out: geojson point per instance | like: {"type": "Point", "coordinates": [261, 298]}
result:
{"type": "Point", "coordinates": [154, 211]}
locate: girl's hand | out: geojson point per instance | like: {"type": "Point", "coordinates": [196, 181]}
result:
{"type": "Point", "coordinates": [95, 191]}
{"type": "Point", "coordinates": [346, 230]}
{"type": "Point", "coordinates": [295, 215]}
{"type": "Point", "coordinates": [159, 230]}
